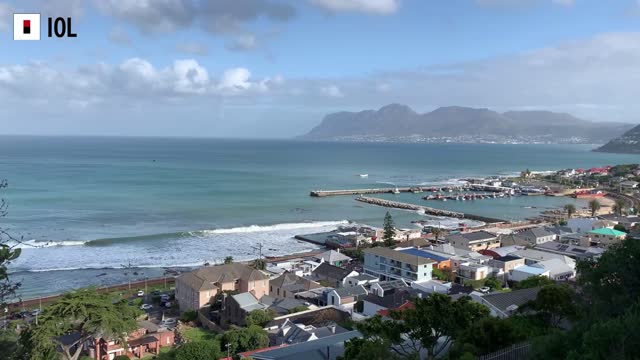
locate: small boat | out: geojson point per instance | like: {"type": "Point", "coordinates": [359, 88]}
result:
{"type": "Point", "coordinates": [396, 191]}
{"type": "Point", "coordinates": [364, 175]}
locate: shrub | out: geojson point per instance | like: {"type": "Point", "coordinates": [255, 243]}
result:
{"type": "Point", "coordinates": [189, 316]}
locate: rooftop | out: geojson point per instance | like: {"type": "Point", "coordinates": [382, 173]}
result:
{"type": "Point", "coordinates": [503, 301]}
{"type": "Point", "coordinates": [326, 348]}
{"type": "Point", "coordinates": [207, 277]}
{"type": "Point", "coordinates": [330, 271]}
{"type": "Point", "coordinates": [421, 253]}
{"type": "Point", "coordinates": [530, 270]}
{"type": "Point", "coordinates": [351, 291]}
{"type": "Point", "coordinates": [332, 256]}
{"type": "Point", "coordinates": [399, 256]}
{"type": "Point", "coordinates": [608, 232]}
{"type": "Point", "coordinates": [508, 258]}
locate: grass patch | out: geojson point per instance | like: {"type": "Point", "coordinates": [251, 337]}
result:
{"type": "Point", "coordinates": [198, 334]}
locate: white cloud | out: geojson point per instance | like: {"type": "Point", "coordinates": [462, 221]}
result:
{"type": "Point", "coordinates": [380, 7]}
{"type": "Point", "coordinates": [331, 91]}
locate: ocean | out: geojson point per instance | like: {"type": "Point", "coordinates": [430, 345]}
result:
{"type": "Point", "coordinates": [87, 206]}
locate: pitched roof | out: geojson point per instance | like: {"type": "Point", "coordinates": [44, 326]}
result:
{"type": "Point", "coordinates": [330, 271]}
{"type": "Point", "coordinates": [608, 232]}
{"type": "Point", "coordinates": [508, 258]}
{"type": "Point", "coordinates": [478, 235]}
{"type": "Point", "coordinates": [325, 348]}
{"type": "Point", "coordinates": [393, 284]}
{"type": "Point", "coordinates": [555, 267]}
{"type": "Point", "coordinates": [248, 302]}
{"type": "Point", "coordinates": [332, 256]}
{"type": "Point", "coordinates": [536, 232]}
{"type": "Point", "coordinates": [512, 239]}
{"type": "Point", "coordinates": [502, 301]}
{"type": "Point", "coordinates": [207, 277]}
{"type": "Point", "coordinates": [399, 256]}
{"type": "Point", "coordinates": [293, 283]}
{"type": "Point", "coordinates": [351, 291]}
{"type": "Point", "coordinates": [570, 250]}
{"type": "Point", "coordinates": [530, 270]}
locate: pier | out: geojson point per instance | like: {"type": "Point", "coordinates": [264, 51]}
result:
{"type": "Point", "coordinates": [427, 210]}
{"type": "Point", "coordinates": [393, 190]}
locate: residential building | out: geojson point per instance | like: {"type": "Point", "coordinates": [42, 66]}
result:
{"type": "Point", "coordinates": [238, 306]}
{"type": "Point", "coordinates": [361, 279]}
{"type": "Point", "coordinates": [627, 221]}
{"type": "Point", "coordinates": [558, 269]}
{"type": "Point", "coordinates": [474, 241]}
{"type": "Point", "coordinates": [525, 271]}
{"type": "Point", "coordinates": [440, 262]}
{"type": "Point", "coordinates": [314, 296]}
{"type": "Point", "coordinates": [473, 271]}
{"type": "Point", "coordinates": [373, 303]}
{"type": "Point", "coordinates": [316, 317]}
{"type": "Point", "coordinates": [432, 286]}
{"type": "Point", "coordinates": [197, 288]}
{"type": "Point", "coordinates": [629, 185]}
{"type": "Point", "coordinates": [288, 285]}
{"type": "Point", "coordinates": [512, 239]}
{"type": "Point", "coordinates": [532, 256]}
{"type": "Point", "coordinates": [603, 238]}
{"type": "Point", "coordinates": [504, 264]}
{"type": "Point", "coordinates": [505, 304]}
{"type": "Point", "coordinates": [330, 275]}
{"type": "Point", "coordinates": [537, 235]}
{"type": "Point", "coordinates": [149, 338]}
{"type": "Point", "coordinates": [388, 264]}
{"type": "Point", "coordinates": [383, 288]}
{"type": "Point", "coordinates": [294, 333]}
{"type": "Point", "coordinates": [346, 297]}
{"type": "Point", "coordinates": [326, 348]}
{"type": "Point", "coordinates": [572, 251]}
{"type": "Point", "coordinates": [332, 257]}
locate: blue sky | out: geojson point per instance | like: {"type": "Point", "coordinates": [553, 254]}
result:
{"type": "Point", "coordinates": [273, 68]}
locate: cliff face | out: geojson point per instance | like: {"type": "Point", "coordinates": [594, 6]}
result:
{"type": "Point", "coordinates": [627, 143]}
{"type": "Point", "coordinates": [398, 120]}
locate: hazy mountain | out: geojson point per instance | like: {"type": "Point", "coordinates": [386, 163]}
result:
{"type": "Point", "coordinates": [628, 143]}
{"type": "Point", "coordinates": [398, 121]}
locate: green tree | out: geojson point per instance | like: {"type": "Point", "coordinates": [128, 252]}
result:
{"type": "Point", "coordinates": [8, 252]}
{"type": "Point", "coordinates": [431, 325]}
{"type": "Point", "coordinates": [619, 227]}
{"type": "Point", "coordinates": [87, 313]}
{"type": "Point", "coordinates": [594, 206]}
{"type": "Point", "coordinates": [368, 349]}
{"type": "Point", "coordinates": [570, 209]}
{"type": "Point", "coordinates": [228, 260]}
{"type": "Point", "coordinates": [259, 317]}
{"type": "Point", "coordinates": [533, 281]}
{"type": "Point", "coordinates": [198, 350]}
{"type": "Point", "coordinates": [555, 303]}
{"type": "Point", "coordinates": [619, 207]}
{"type": "Point", "coordinates": [487, 335]}
{"type": "Point", "coordinates": [493, 283]}
{"type": "Point", "coordinates": [239, 340]}
{"type": "Point", "coordinates": [388, 230]}
{"type": "Point", "coordinates": [259, 264]}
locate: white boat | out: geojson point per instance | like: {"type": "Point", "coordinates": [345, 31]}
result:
{"type": "Point", "coordinates": [364, 175]}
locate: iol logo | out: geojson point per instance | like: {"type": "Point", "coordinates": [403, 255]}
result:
{"type": "Point", "coordinates": [27, 27]}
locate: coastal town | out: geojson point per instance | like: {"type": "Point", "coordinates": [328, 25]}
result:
{"type": "Point", "coordinates": [327, 304]}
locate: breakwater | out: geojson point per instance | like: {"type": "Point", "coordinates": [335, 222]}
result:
{"type": "Point", "coordinates": [427, 210]}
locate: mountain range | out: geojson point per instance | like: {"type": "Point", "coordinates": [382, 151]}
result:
{"type": "Point", "coordinates": [627, 143]}
{"type": "Point", "coordinates": [398, 122]}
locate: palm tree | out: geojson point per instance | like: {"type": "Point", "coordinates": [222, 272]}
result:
{"type": "Point", "coordinates": [228, 260]}
{"type": "Point", "coordinates": [570, 209]}
{"type": "Point", "coordinates": [594, 206]}
{"type": "Point", "coordinates": [436, 231]}
{"type": "Point", "coordinates": [619, 207]}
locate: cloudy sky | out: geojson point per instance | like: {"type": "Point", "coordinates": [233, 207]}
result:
{"type": "Point", "coordinates": [273, 68]}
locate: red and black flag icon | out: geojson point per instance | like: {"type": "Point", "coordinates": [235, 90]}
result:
{"type": "Point", "coordinates": [26, 26]}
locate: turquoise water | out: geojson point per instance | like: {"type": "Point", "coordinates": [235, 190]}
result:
{"type": "Point", "coordinates": [100, 202]}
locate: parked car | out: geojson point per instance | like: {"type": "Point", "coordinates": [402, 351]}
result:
{"type": "Point", "coordinates": [140, 293]}
{"type": "Point", "coordinates": [164, 297]}
{"type": "Point", "coordinates": [484, 289]}
{"type": "Point", "coordinates": [155, 292]}
{"type": "Point", "coordinates": [146, 307]}
{"type": "Point", "coordinates": [36, 312]}
{"type": "Point", "coordinates": [167, 304]}
{"type": "Point", "coordinates": [169, 322]}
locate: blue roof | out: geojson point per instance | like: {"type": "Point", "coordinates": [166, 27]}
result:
{"type": "Point", "coordinates": [424, 254]}
{"type": "Point", "coordinates": [531, 269]}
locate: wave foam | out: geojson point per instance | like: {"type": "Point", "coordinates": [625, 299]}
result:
{"type": "Point", "coordinates": [269, 228]}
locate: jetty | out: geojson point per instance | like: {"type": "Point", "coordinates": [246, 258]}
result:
{"type": "Point", "coordinates": [427, 210]}
{"type": "Point", "coordinates": [392, 190]}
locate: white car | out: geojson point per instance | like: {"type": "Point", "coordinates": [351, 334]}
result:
{"type": "Point", "coordinates": [146, 307]}
{"type": "Point", "coordinates": [484, 289]}
{"type": "Point", "coordinates": [167, 304]}
{"type": "Point", "coordinates": [169, 322]}
{"type": "Point", "coordinates": [140, 293]}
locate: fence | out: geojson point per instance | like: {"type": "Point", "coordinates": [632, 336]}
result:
{"type": "Point", "coordinates": [513, 352]}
